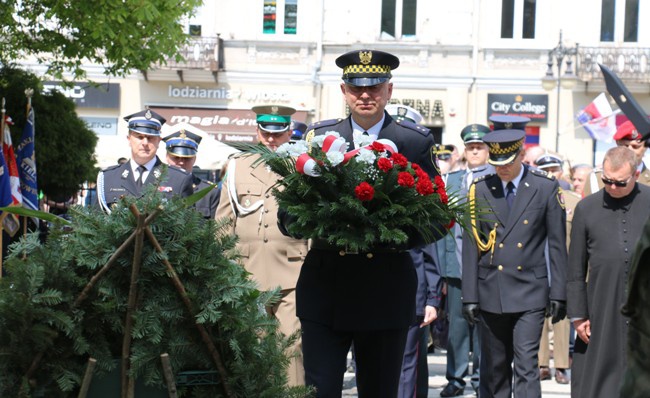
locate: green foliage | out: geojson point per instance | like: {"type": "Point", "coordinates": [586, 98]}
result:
{"type": "Point", "coordinates": [38, 312]}
{"type": "Point", "coordinates": [120, 35]}
{"type": "Point", "coordinates": [64, 145]}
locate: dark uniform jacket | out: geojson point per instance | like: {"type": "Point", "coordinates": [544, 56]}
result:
{"type": "Point", "coordinates": [207, 205]}
{"type": "Point", "coordinates": [365, 291]}
{"type": "Point", "coordinates": [116, 181]}
{"type": "Point", "coordinates": [513, 277]}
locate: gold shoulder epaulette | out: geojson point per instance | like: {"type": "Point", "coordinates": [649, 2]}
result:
{"type": "Point", "coordinates": [481, 178]}
{"type": "Point", "coordinates": [542, 173]}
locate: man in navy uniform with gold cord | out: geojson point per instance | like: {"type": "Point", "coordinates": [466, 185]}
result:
{"type": "Point", "coordinates": [506, 281]}
{"type": "Point", "coordinates": [144, 167]}
{"type": "Point", "coordinates": [182, 147]}
{"type": "Point", "coordinates": [362, 298]}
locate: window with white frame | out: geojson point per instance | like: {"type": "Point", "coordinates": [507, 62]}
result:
{"type": "Point", "coordinates": [398, 18]}
{"type": "Point", "coordinates": [518, 18]}
{"type": "Point", "coordinates": [619, 21]}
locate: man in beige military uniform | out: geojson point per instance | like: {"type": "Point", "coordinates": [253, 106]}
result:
{"type": "Point", "coordinates": [272, 258]}
{"type": "Point", "coordinates": [626, 135]}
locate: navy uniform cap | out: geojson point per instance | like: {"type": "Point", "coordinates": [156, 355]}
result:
{"type": "Point", "coordinates": [145, 122]}
{"type": "Point", "coordinates": [183, 143]}
{"type": "Point", "coordinates": [505, 122]}
{"type": "Point", "coordinates": [444, 152]}
{"type": "Point", "coordinates": [547, 161]}
{"type": "Point", "coordinates": [404, 112]}
{"type": "Point", "coordinates": [504, 146]}
{"type": "Point", "coordinates": [274, 118]}
{"type": "Point", "coordinates": [298, 129]}
{"type": "Point", "coordinates": [365, 68]}
{"type": "Point", "coordinates": [474, 133]}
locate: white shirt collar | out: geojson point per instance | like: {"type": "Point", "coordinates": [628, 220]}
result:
{"type": "Point", "coordinates": [372, 131]}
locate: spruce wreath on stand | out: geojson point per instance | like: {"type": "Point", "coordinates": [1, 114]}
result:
{"type": "Point", "coordinates": [151, 278]}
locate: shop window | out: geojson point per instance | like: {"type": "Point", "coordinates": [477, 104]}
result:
{"type": "Point", "coordinates": [619, 20]}
{"type": "Point", "coordinates": [398, 18]}
{"type": "Point", "coordinates": [288, 19]}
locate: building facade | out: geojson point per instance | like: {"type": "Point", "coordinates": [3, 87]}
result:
{"type": "Point", "coordinates": [460, 63]}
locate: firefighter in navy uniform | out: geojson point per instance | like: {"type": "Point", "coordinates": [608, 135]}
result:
{"type": "Point", "coordinates": [365, 299]}
{"type": "Point", "coordinates": [144, 167]}
{"type": "Point", "coordinates": [182, 147]}
{"type": "Point", "coordinates": [506, 285]}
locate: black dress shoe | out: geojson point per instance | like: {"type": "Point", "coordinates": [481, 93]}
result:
{"type": "Point", "coordinates": [544, 373]}
{"type": "Point", "coordinates": [561, 376]}
{"type": "Point", "coordinates": [451, 390]}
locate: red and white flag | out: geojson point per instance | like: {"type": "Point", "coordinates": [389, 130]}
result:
{"type": "Point", "coordinates": [598, 119]}
{"type": "Point", "coordinates": [12, 166]}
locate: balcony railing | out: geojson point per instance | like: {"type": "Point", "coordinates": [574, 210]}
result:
{"type": "Point", "coordinates": [199, 53]}
{"type": "Point", "coordinates": [630, 64]}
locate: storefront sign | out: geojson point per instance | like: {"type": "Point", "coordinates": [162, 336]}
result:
{"type": "Point", "coordinates": [86, 95]}
{"type": "Point", "coordinates": [101, 125]}
{"type": "Point", "coordinates": [227, 125]}
{"type": "Point", "coordinates": [533, 106]}
{"type": "Point", "coordinates": [222, 93]}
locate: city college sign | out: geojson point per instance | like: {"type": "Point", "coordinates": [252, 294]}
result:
{"type": "Point", "coordinates": [533, 106]}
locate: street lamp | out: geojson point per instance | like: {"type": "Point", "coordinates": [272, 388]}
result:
{"type": "Point", "coordinates": [568, 80]}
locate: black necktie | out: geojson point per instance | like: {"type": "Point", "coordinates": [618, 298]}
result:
{"type": "Point", "coordinates": [140, 179]}
{"type": "Point", "coordinates": [510, 193]}
{"type": "Point", "coordinates": [365, 133]}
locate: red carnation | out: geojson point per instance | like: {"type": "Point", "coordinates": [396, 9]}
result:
{"type": "Point", "coordinates": [421, 174]}
{"type": "Point", "coordinates": [377, 146]}
{"type": "Point", "coordinates": [364, 191]}
{"type": "Point", "coordinates": [405, 179]}
{"type": "Point", "coordinates": [400, 160]}
{"type": "Point", "coordinates": [424, 187]}
{"type": "Point", "coordinates": [415, 166]}
{"type": "Point", "coordinates": [440, 183]}
{"type": "Point", "coordinates": [384, 164]}
{"type": "Point", "coordinates": [443, 197]}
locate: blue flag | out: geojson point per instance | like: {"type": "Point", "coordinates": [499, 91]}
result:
{"type": "Point", "coordinates": [27, 164]}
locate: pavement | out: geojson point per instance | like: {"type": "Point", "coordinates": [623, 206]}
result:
{"type": "Point", "coordinates": [437, 381]}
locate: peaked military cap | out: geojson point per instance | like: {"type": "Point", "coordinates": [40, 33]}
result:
{"type": "Point", "coordinates": [444, 152]}
{"type": "Point", "coordinates": [547, 160]}
{"type": "Point", "coordinates": [274, 118]}
{"type": "Point", "coordinates": [504, 122]}
{"type": "Point", "coordinates": [183, 143]}
{"type": "Point", "coordinates": [474, 133]}
{"type": "Point", "coordinates": [364, 68]}
{"type": "Point", "coordinates": [145, 122]}
{"type": "Point", "coordinates": [504, 146]}
{"type": "Point", "coordinates": [404, 112]}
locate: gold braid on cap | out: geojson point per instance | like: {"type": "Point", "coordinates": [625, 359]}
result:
{"type": "Point", "coordinates": [492, 237]}
{"type": "Point", "coordinates": [496, 149]}
{"type": "Point", "coordinates": [385, 69]}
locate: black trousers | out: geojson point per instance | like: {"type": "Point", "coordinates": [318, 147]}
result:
{"type": "Point", "coordinates": [508, 338]}
{"type": "Point", "coordinates": [378, 356]}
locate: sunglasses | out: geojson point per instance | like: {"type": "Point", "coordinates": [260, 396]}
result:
{"type": "Point", "coordinates": [620, 184]}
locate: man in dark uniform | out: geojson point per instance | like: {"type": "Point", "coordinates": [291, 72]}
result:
{"type": "Point", "coordinates": [505, 283]}
{"type": "Point", "coordinates": [182, 147]}
{"type": "Point", "coordinates": [362, 298]}
{"type": "Point", "coordinates": [144, 167]}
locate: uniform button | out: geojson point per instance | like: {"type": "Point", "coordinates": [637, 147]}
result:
{"type": "Point", "coordinates": [342, 253]}
{"type": "Point", "coordinates": [626, 250]}
{"type": "Point", "coordinates": [525, 222]}
{"type": "Point", "coordinates": [500, 267]}
{"type": "Point", "coordinates": [369, 255]}
{"type": "Point", "coordinates": [266, 196]}
{"type": "Point", "coordinates": [266, 240]}
{"type": "Point", "coordinates": [624, 221]}
{"type": "Point", "coordinates": [519, 245]}
{"type": "Point", "coordinates": [266, 225]}
{"type": "Point", "coordinates": [266, 210]}
{"type": "Point", "coordinates": [500, 245]}
{"type": "Point", "coordinates": [519, 268]}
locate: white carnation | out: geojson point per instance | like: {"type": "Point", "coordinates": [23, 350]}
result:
{"type": "Point", "coordinates": [335, 158]}
{"type": "Point", "coordinates": [366, 156]}
{"type": "Point", "coordinates": [298, 148]}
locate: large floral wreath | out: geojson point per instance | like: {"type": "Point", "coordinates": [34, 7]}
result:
{"type": "Point", "coordinates": [371, 196]}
